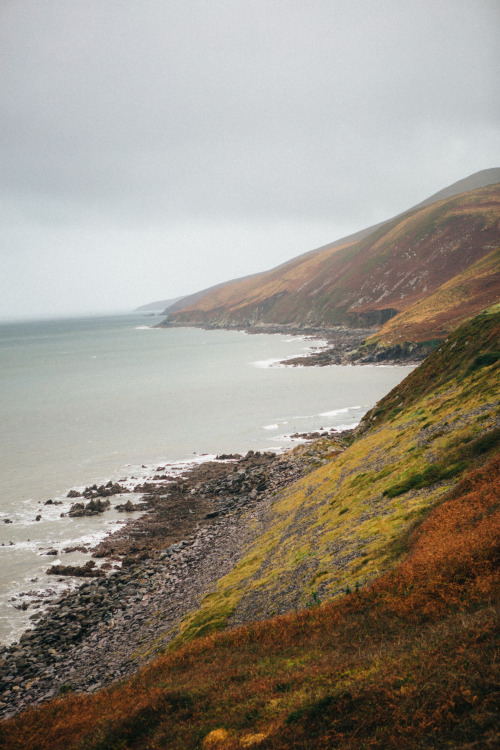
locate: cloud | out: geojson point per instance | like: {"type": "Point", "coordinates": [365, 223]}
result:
{"type": "Point", "coordinates": [134, 127]}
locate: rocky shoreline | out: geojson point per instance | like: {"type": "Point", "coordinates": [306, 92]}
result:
{"type": "Point", "coordinates": [345, 346]}
{"type": "Point", "coordinates": [195, 529]}
{"type": "Point", "coordinates": [145, 577]}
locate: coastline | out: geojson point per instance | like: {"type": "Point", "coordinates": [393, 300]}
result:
{"type": "Point", "coordinates": [344, 346]}
{"type": "Point", "coordinates": [110, 625]}
{"type": "Point", "coordinates": [194, 529]}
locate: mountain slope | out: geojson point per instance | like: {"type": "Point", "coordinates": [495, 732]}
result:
{"type": "Point", "coordinates": [368, 281]}
{"type": "Point", "coordinates": [158, 306]}
{"type": "Point", "coordinates": [402, 531]}
{"type": "Point", "coordinates": [335, 526]}
{"type": "Point", "coordinates": [455, 301]}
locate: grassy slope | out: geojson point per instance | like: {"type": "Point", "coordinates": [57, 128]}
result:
{"type": "Point", "coordinates": [399, 266]}
{"type": "Point", "coordinates": [333, 529]}
{"type": "Point", "coordinates": [412, 506]}
{"type": "Point", "coordinates": [454, 302]}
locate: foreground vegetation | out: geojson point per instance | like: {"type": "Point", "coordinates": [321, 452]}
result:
{"type": "Point", "coordinates": [405, 656]}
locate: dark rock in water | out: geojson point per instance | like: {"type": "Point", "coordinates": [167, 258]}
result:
{"type": "Point", "coordinates": [78, 548]}
{"type": "Point", "coordinates": [129, 507]}
{"type": "Point", "coordinates": [7, 520]}
{"type": "Point", "coordinates": [38, 518]}
{"type": "Point", "coordinates": [80, 571]}
{"type": "Point", "coordinates": [93, 508]}
{"type": "Point", "coordinates": [104, 490]}
{"type": "Point", "coordinates": [228, 456]}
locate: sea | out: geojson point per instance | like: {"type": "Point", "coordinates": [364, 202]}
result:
{"type": "Point", "coordinates": [88, 400]}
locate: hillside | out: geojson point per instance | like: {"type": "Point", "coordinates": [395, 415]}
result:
{"type": "Point", "coordinates": [416, 276]}
{"type": "Point", "coordinates": [157, 306]}
{"type": "Point", "coordinates": [377, 572]}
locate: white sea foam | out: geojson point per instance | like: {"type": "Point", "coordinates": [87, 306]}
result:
{"type": "Point", "coordinates": [345, 410]}
{"type": "Point", "coordinates": [342, 427]}
{"type": "Point", "coordinates": [307, 351]}
{"type": "Point", "coordinates": [274, 362]}
{"type": "Point", "coordinates": [271, 427]}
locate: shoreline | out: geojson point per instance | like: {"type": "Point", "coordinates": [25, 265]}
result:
{"type": "Point", "coordinates": [195, 530]}
{"type": "Point", "coordinates": [343, 347]}
{"type": "Point", "coordinates": [157, 567]}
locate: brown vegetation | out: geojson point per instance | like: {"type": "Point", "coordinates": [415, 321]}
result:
{"type": "Point", "coordinates": [410, 662]}
{"type": "Point", "coordinates": [418, 275]}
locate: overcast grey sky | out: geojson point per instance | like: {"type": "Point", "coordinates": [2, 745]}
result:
{"type": "Point", "coordinates": [151, 148]}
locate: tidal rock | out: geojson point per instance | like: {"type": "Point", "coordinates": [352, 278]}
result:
{"type": "Point", "coordinates": [93, 508]}
{"type": "Point", "coordinates": [81, 571]}
{"type": "Point", "coordinates": [129, 507]}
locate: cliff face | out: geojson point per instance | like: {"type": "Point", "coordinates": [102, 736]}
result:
{"type": "Point", "coordinates": [416, 277]}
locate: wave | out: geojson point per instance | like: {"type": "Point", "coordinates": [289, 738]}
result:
{"type": "Point", "coordinates": [345, 410]}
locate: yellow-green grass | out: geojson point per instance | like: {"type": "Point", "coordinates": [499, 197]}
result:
{"type": "Point", "coordinates": [337, 528]}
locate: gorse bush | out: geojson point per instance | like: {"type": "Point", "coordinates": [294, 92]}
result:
{"type": "Point", "coordinates": [430, 475]}
{"type": "Point", "coordinates": [456, 460]}
{"type": "Point", "coordinates": [485, 360]}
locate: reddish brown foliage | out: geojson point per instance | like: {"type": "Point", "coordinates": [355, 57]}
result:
{"type": "Point", "coordinates": [411, 662]}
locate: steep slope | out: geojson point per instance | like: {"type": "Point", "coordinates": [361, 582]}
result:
{"type": "Point", "coordinates": [334, 528]}
{"type": "Point", "coordinates": [402, 531]}
{"type": "Point", "coordinates": [455, 301]}
{"type": "Point", "coordinates": [403, 263]}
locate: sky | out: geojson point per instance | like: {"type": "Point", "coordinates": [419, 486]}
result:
{"type": "Point", "coordinates": [152, 148]}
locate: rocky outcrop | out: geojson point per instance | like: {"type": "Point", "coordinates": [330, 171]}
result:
{"type": "Point", "coordinates": [104, 490]}
{"type": "Point", "coordinates": [93, 508]}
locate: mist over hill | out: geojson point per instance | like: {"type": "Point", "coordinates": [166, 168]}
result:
{"type": "Point", "coordinates": [436, 264]}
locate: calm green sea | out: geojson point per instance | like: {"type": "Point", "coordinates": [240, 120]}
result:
{"type": "Point", "coordinates": [87, 400]}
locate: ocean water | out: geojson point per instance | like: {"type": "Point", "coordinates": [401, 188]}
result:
{"type": "Point", "coordinates": [93, 399]}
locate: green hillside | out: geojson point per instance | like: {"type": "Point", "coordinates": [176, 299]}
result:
{"type": "Point", "coordinates": [384, 559]}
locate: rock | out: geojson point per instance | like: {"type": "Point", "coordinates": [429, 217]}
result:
{"type": "Point", "coordinates": [74, 493]}
{"type": "Point", "coordinates": [78, 548]}
{"type": "Point", "coordinates": [7, 520]}
{"type": "Point", "coordinates": [80, 571]}
{"type": "Point", "coordinates": [129, 507]}
{"type": "Point", "coordinates": [93, 508]}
